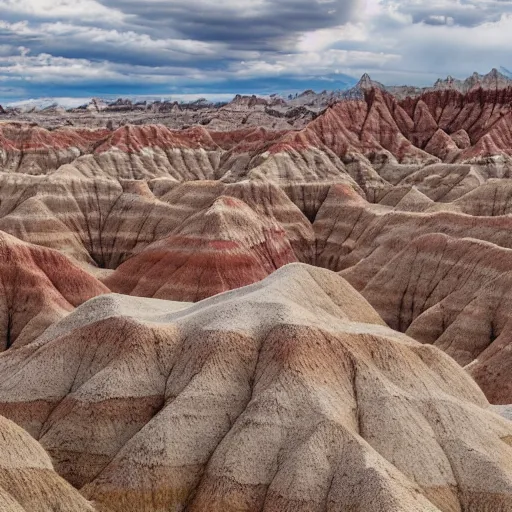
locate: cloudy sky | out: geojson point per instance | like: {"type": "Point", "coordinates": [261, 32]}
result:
{"type": "Point", "coordinates": [80, 48]}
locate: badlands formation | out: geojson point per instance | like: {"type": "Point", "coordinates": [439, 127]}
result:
{"type": "Point", "coordinates": [242, 316]}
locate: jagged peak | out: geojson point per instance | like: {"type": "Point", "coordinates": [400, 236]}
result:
{"type": "Point", "coordinates": [307, 92]}
{"type": "Point", "coordinates": [365, 81]}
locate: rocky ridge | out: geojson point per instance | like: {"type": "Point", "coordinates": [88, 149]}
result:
{"type": "Point", "coordinates": [274, 111]}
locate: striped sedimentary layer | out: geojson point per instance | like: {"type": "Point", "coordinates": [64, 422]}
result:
{"type": "Point", "coordinates": [38, 287]}
{"type": "Point", "coordinates": [438, 271]}
{"type": "Point", "coordinates": [225, 247]}
{"type": "Point", "coordinates": [101, 223]}
{"type": "Point", "coordinates": [28, 482]}
{"type": "Point", "coordinates": [367, 140]}
{"type": "Point", "coordinates": [156, 238]}
{"type": "Point", "coordinates": [454, 293]}
{"type": "Point", "coordinates": [288, 393]}
{"type": "Point", "coordinates": [358, 190]}
{"type": "Point", "coordinates": [291, 393]}
{"type": "Point", "coordinates": [31, 149]}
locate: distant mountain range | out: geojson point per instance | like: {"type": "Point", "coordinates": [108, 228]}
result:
{"type": "Point", "coordinates": [494, 79]}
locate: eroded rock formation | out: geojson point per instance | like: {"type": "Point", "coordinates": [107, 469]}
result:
{"type": "Point", "coordinates": [225, 247]}
{"type": "Point", "coordinates": [289, 392]}
{"type": "Point", "coordinates": [39, 286]}
{"type": "Point", "coordinates": [28, 481]}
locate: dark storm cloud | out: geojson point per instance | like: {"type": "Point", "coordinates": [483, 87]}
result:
{"type": "Point", "coordinates": [118, 48]}
{"type": "Point", "coordinates": [245, 24]}
{"type": "Point", "coordinates": [158, 43]}
{"type": "Point", "coordinates": [202, 33]}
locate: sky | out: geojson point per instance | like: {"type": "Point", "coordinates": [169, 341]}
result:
{"type": "Point", "coordinates": [84, 48]}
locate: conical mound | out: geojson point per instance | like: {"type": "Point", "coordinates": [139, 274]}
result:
{"type": "Point", "coordinates": [224, 247]}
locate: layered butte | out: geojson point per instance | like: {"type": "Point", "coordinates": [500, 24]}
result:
{"type": "Point", "coordinates": [230, 317]}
